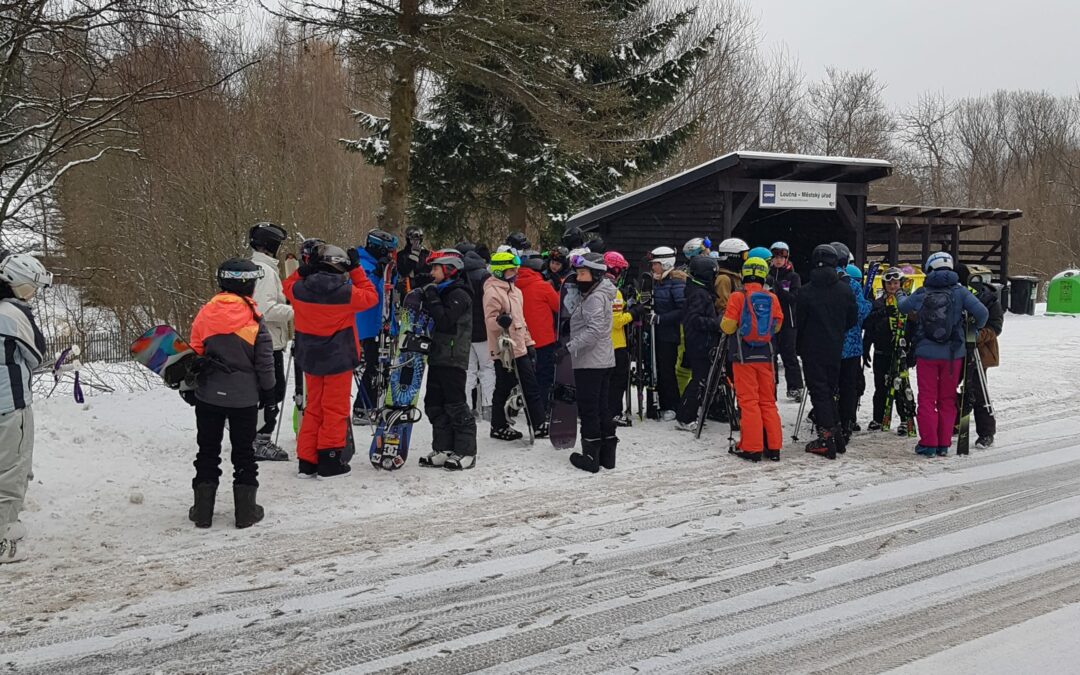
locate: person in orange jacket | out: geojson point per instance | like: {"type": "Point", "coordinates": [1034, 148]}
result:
{"type": "Point", "coordinates": [326, 294]}
{"type": "Point", "coordinates": [233, 379]}
{"type": "Point", "coordinates": [751, 318]}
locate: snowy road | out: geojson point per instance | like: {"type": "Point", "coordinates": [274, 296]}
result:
{"type": "Point", "coordinates": [849, 579]}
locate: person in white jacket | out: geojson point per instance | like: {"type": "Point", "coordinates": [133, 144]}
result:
{"type": "Point", "coordinates": [265, 239]}
{"type": "Point", "coordinates": [22, 348]}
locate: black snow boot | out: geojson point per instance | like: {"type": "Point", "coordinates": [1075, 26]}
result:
{"type": "Point", "coordinates": [588, 458]}
{"type": "Point", "coordinates": [841, 440]}
{"type": "Point", "coordinates": [607, 451]}
{"type": "Point", "coordinates": [247, 511]}
{"type": "Point", "coordinates": [332, 464]}
{"type": "Point", "coordinates": [202, 512]}
{"type": "Point", "coordinates": [824, 444]}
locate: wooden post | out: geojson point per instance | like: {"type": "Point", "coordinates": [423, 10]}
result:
{"type": "Point", "coordinates": [729, 226]}
{"type": "Point", "coordinates": [925, 244]}
{"type": "Point", "coordinates": [860, 231]}
{"type": "Point", "coordinates": [894, 243]}
{"type": "Point", "coordinates": [956, 244]}
{"type": "Point", "coordinates": [1004, 252]}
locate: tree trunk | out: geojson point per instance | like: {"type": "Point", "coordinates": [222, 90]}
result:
{"type": "Point", "coordinates": [395, 184]}
{"type": "Point", "coordinates": [516, 207]}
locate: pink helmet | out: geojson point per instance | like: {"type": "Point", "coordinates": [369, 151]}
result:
{"type": "Point", "coordinates": [615, 262]}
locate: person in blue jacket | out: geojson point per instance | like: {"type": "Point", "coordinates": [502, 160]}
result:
{"type": "Point", "coordinates": [942, 307]}
{"type": "Point", "coordinates": [377, 252]}
{"type": "Point", "coordinates": [669, 291]}
{"type": "Point", "coordinates": [852, 383]}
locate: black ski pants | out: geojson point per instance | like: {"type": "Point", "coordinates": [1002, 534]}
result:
{"type": "Point", "coordinates": [504, 384]}
{"type": "Point", "coordinates": [210, 424]}
{"type": "Point", "coordinates": [985, 423]}
{"type": "Point", "coordinates": [883, 364]}
{"type": "Point", "coordinates": [620, 376]}
{"type": "Point", "coordinates": [667, 385]}
{"type": "Point", "coordinates": [822, 380]}
{"type": "Point", "coordinates": [593, 388]}
{"type": "Point", "coordinates": [365, 394]}
{"type": "Point", "coordinates": [545, 373]}
{"type": "Point", "coordinates": [270, 418]}
{"type": "Point", "coordinates": [453, 427]}
{"type": "Point", "coordinates": [699, 365]}
{"type": "Point", "coordinates": [786, 353]}
{"type": "Point", "coordinates": [850, 387]}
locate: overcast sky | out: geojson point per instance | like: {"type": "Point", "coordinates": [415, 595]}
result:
{"type": "Point", "coordinates": [961, 47]}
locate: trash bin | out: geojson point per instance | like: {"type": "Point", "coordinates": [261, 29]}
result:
{"type": "Point", "coordinates": [1022, 292]}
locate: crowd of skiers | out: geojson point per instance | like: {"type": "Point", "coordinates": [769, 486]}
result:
{"type": "Point", "coordinates": [705, 339]}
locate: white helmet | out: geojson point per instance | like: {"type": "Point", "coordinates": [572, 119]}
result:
{"type": "Point", "coordinates": [696, 246]}
{"type": "Point", "coordinates": [732, 246]}
{"type": "Point", "coordinates": [939, 261]}
{"type": "Point", "coordinates": [665, 255]}
{"type": "Point", "coordinates": [25, 274]}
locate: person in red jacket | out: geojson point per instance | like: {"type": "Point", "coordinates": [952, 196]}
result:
{"type": "Point", "coordinates": [326, 294]}
{"type": "Point", "coordinates": [541, 308]}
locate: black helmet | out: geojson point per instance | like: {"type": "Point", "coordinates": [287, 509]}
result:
{"type": "Point", "coordinates": [330, 258]}
{"type": "Point", "coordinates": [532, 259]}
{"type": "Point", "coordinates": [238, 275]}
{"type": "Point", "coordinates": [597, 245]}
{"type": "Point", "coordinates": [307, 247]}
{"type": "Point", "coordinates": [518, 241]}
{"type": "Point", "coordinates": [573, 238]}
{"type": "Point", "coordinates": [824, 255]}
{"type": "Point", "coordinates": [380, 243]}
{"type": "Point", "coordinates": [843, 253]}
{"type": "Point", "coordinates": [266, 237]}
{"type": "Point", "coordinates": [558, 253]}
{"type": "Point", "coordinates": [464, 247]}
{"type": "Point", "coordinates": [703, 268]}
{"type": "Point", "coordinates": [414, 232]}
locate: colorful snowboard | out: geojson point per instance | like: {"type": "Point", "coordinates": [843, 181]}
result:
{"type": "Point", "coordinates": [162, 350]}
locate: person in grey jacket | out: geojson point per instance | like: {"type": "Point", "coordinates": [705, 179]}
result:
{"type": "Point", "coordinates": [593, 356]}
{"type": "Point", "coordinates": [265, 239]}
{"type": "Point", "coordinates": [21, 276]}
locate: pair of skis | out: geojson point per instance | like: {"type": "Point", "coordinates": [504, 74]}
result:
{"type": "Point", "coordinates": [643, 370]}
{"type": "Point", "coordinates": [716, 383]}
{"type": "Point", "coordinates": [899, 378]}
{"type": "Point", "coordinates": [516, 399]}
{"type": "Point", "coordinates": [963, 437]}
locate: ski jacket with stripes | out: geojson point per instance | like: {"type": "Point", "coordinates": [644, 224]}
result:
{"type": "Point", "coordinates": [230, 333]}
{"type": "Point", "coordinates": [24, 349]}
{"type": "Point", "coordinates": [325, 306]}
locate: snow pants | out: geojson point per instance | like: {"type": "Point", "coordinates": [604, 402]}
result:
{"type": "Point", "coordinates": [593, 387]}
{"type": "Point", "coordinates": [210, 421]}
{"type": "Point", "coordinates": [620, 376]}
{"type": "Point", "coordinates": [699, 365]}
{"type": "Point", "coordinates": [545, 373]}
{"type": "Point", "coordinates": [755, 389]}
{"type": "Point", "coordinates": [504, 384]}
{"type": "Point", "coordinates": [267, 423]}
{"type": "Point", "coordinates": [985, 423]}
{"type": "Point", "coordinates": [786, 352]}
{"type": "Point", "coordinates": [850, 390]}
{"type": "Point", "coordinates": [326, 424]}
{"type": "Point", "coordinates": [938, 380]}
{"type": "Point", "coordinates": [365, 393]}
{"type": "Point", "coordinates": [667, 383]}
{"type": "Point", "coordinates": [481, 372]}
{"type": "Point", "coordinates": [822, 380]}
{"type": "Point", "coordinates": [16, 456]}
{"type": "Point", "coordinates": [453, 427]}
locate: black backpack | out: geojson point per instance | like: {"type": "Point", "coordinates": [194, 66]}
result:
{"type": "Point", "coordinates": [935, 315]}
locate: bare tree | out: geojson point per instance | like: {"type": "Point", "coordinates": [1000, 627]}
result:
{"type": "Point", "coordinates": [847, 115]}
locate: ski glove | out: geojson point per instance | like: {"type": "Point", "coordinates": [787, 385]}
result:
{"type": "Point", "coordinates": [267, 399]}
{"type": "Point", "coordinates": [530, 351]}
{"type": "Point", "coordinates": [354, 259]}
{"type": "Point", "coordinates": [561, 351]}
{"type": "Point", "coordinates": [188, 395]}
{"type": "Point", "coordinates": [504, 321]}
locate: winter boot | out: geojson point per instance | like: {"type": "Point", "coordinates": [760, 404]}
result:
{"type": "Point", "coordinates": [456, 462]}
{"type": "Point", "coordinates": [748, 456]}
{"type": "Point", "coordinates": [307, 469]}
{"type": "Point", "coordinates": [435, 459]}
{"type": "Point", "coordinates": [667, 415]}
{"type": "Point", "coordinates": [873, 426]}
{"type": "Point", "coordinates": [11, 551]}
{"type": "Point", "coordinates": [332, 464]}
{"type": "Point", "coordinates": [607, 451]}
{"type": "Point", "coordinates": [984, 442]}
{"type": "Point", "coordinates": [824, 444]}
{"type": "Point", "coordinates": [507, 433]}
{"type": "Point", "coordinates": [542, 430]}
{"type": "Point", "coordinates": [588, 458]}
{"type": "Point", "coordinates": [623, 421]}
{"type": "Point", "coordinates": [247, 511]}
{"type": "Point", "coordinates": [942, 451]}
{"type": "Point", "coordinates": [202, 512]}
{"type": "Point", "coordinates": [925, 450]}
{"type": "Point", "coordinates": [686, 426]}
{"type": "Point", "coordinates": [795, 395]}
{"type": "Point", "coordinates": [771, 455]}
{"type": "Point", "coordinates": [267, 450]}
{"type": "Point", "coordinates": [840, 441]}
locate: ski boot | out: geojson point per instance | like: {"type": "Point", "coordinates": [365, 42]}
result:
{"type": "Point", "coordinates": [686, 426]}
{"type": "Point", "coordinates": [267, 450]}
{"type": "Point", "coordinates": [542, 431]}
{"type": "Point", "coordinates": [247, 511]}
{"type": "Point", "coordinates": [901, 429]}
{"type": "Point", "coordinates": [795, 395]}
{"type": "Point", "coordinates": [202, 512]}
{"type": "Point", "coordinates": [925, 450]}
{"type": "Point", "coordinates": [824, 444]}
{"type": "Point", "coordinates": [332, 464]}
{"type": "Point", "coordinates": [771, 455]}
{"type": "Point", "coordinates": [873, 426]}
{"type": "Point", "coordinates": [11, 551]}
{"type": "Point", "coordinates": [748, 456]}
{"type": "Point", "coordinates": [455, 462]}
{"type": "Point", "coordinates": [507, 433]}
{"type": "Point", "coordinates": [435, 459]}
{"type": "Point", "coordinates": [307, 469]}
{"type": "Point", "coordinates": [985, 442]}
{"type": "Point", "coordinates": [588, 458]}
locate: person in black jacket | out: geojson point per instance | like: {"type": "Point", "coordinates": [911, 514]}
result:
{"type": "Point", "coordinates": [701, 330]}
{"type": "Point", "coordinates": [880, 332]}
{"type": "Point", "coordinates": [987, 344]}
{"type": "Point", "coordinates": [785, 283]}
{"type": "Point", "coordinates": [669, 287]}
{"type": "Point", "coordinates": [480, 376]}
{"type": "Point", "coordinates": [449, 300]}
{"type": "Point", "coordinates": [826, 311]}
{"type": "Point", "coordinates": [413, 270]}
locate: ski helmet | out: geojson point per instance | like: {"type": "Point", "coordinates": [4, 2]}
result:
{"type": "Point", "coordinates": [615, 262]}
{"type": "Point", "coordinates": [939, 261]}
{"type": "Point", "coordinates": [25, 274]}
{"type": "Point", "coordinates": [843, 253]}
{"type": "Point", "coordinates": [573, 238]}
{"type": "Point", "coordinates": [380, 243]}
{"type": "Point", "coordinates": [596, 244]}
{"type": "Point", "coordinates": [755, 269]}
{"type": "Point", "coordinates": [331, 258]}
{"type": "Point", "coordinates": [464, 247]}
{"type": "Point", "coordinates": [824, 255]}
{"type": "Point", "coordinates": [239, 275]}
{"type": "Point", "coordinates": [732, 247]}
{"type": "Point", "coordinates": [854, 272]}
{"type": "Point", "coordinates": [665, 255]}
{"type": "Point", "coordinates": [703, 268]}
{"type": "Point", "coordinates": [501, 262]}
{"type": "Point", "coordinates": [414, 233]}
{"type": "Point", "coordinates": [307, 247]}
{"type": "Point", "coordinates": [533, 260]}
{"type": "Point", "coordinates": [589, 260]}
{"type": "Point", "coordinates": [451, 260]}
{"type": "Point", "coordinates": [267, 237]}
{"type": "Point", "coordinates": [518, 242]}
{"type": "Point", "coordinates": [780, 246]}
{"type": "Point", "coordinates": [696, 246]}
{"type": "Point", "coordinates": [893, 274]}
{"type": "Point", "coordinates": [760, 252]}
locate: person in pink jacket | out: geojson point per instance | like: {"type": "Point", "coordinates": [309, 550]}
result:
{"type": "Point", "coordinates": [504, 314]}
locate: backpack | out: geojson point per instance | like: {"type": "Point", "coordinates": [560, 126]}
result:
{"type": "Point", "coordinates": [935, 315]}
{"type": "Point", "coordinates": [756, 322]}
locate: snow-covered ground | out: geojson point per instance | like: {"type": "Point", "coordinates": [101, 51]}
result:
{"type": "Point", "coordinates": [683, 559]}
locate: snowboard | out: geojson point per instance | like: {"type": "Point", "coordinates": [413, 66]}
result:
{"type": "Point", "coordinates": [562, 426]}
{"type": "Point", "coordinates": [162, 350]}
{"type": "Point", "coordinates": [393, 428]}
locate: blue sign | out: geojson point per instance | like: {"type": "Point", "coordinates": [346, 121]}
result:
{"type": "Point", "coordinates": [768, 193]}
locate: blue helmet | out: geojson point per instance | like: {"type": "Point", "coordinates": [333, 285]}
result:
{"type": "Point", "coordinates": [853, 271]}
{"type": "Point", "coordinates": [780, 246]}
{"type": "Point", "coordinates": [759, 252]}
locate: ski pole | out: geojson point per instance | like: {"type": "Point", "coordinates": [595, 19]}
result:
{"type": "Point", "coordinates": [982, 382]}
{"type": "Point", "coordinates": [288, 367]}
{"type": "Point", "coordinates": [799, 417]}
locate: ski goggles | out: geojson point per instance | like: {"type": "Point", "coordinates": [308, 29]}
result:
{"type": "Point", "coordinates": [240, 275]}
{"type": "Point", "coordinates": [578, 261]}
{"type": "Point", "coordinates": [893, 275]}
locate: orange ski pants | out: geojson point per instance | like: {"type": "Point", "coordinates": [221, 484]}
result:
{"type": "Point", "coordinates": [756, 393]}
{"type": "Point", "coordinates": [326, 420]}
